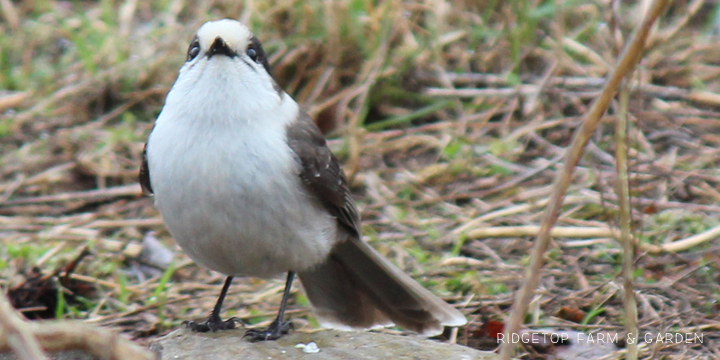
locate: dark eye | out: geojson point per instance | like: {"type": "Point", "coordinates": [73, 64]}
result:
{"type": "Point", "coordinates": [194, 50]}
{"type": "Point", "coordinates": [252, 53]}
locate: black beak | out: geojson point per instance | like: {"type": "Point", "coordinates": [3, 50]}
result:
{"type": "Point", "coordinates": [219, 47]}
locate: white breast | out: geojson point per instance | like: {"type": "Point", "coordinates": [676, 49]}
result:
{"type": "Point", "coordinates": [227, 184]}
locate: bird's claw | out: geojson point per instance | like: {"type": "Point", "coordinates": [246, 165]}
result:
{"type": "Point", "coordinates": [273, 332]}
{"type": "Point", "coordinates": [212, 324]}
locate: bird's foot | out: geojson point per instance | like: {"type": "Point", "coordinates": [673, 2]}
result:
{"type": "Point", "coordinates": [213, 323]}
{"type": "Point", "coordinates": [275, 331]}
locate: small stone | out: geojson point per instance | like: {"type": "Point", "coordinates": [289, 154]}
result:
{"type": "Point", "coordinates": [333, 345]}
{"type": "Point", "coordinates": [311, 348]}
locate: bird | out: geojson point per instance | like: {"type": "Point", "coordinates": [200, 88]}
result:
{"type": "Point", "coordinates": [247, 186]}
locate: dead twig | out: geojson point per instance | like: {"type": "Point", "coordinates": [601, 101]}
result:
{"type": "Point", "coordinates": [689, 242]}
{"type": "Point", "coordinates": [16, 335]}
{"type": "Point", "coordinates": [57, 336]}
{"type": "Point", "coordinates": [534, 230]}
{"type": "Point", "coordinates": [626, 65]}
{"type": "Point", "coordinates": [587, 84]}
{"type": "Point", "coordinates": [626, 238]}
{"type": "Point", "coordinates": [125, 190]}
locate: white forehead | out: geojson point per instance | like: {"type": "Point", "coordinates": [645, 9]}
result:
{"type": "Point", "coordinates": [233, 32]}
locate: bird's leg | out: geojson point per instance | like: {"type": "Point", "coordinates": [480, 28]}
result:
{"type": "Point", "coordinates": [277, 328]}
{"type": "Point", "coordinates": [214, 323]}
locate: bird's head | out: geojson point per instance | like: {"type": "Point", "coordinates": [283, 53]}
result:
{"type": "Point", "coordinates": [227, 51]}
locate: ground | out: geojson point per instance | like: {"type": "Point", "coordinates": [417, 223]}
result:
{"type": "Point", "coordinates": [451, 118]}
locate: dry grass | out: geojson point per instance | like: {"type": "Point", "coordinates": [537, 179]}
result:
{"type": "Point", "coordinates": [452, 119]}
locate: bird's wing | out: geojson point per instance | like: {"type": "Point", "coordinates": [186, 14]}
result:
{"type": "Point", "coordinates": [321, 172]}
{"type": "Point", "coordinates": [144, 176]}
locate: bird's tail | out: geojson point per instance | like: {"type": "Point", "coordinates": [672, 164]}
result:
{"type": "Point", "coordinates": [358, 288]}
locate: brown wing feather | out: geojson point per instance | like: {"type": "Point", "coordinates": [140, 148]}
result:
{"type": "Point", "coordinates": [321, 172]}
{"type": "Point", "coordinates": [144, 176]}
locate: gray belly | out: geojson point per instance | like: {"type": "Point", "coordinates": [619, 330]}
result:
{"type": "Point", "coordinates": [245, 213]}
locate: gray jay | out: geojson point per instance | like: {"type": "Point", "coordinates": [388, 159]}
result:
{"type": "Point", "coordinates": [247, 186]}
